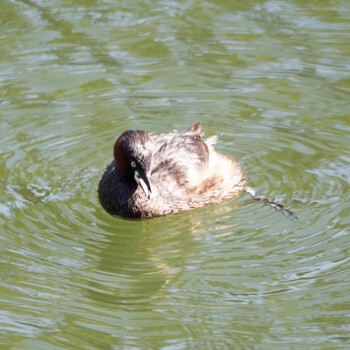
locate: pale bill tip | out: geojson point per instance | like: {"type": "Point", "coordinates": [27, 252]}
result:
{"type": "Point", "coordinates": [143, 184]}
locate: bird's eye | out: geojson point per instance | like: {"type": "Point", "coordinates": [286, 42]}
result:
{"type": "Point", "coordinates": [133, 164]}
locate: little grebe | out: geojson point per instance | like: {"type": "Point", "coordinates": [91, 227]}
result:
{"type": "Point", "coordinates": [153, 175]}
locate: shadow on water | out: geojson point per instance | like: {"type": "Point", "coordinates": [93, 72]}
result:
{"type": "Point", "coordinates": [144, 256]}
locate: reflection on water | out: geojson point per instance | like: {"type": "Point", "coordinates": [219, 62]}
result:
{"type": "Point", "coordinates": [271, 78]}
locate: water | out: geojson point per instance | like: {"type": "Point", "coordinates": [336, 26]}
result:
{"type": "Point", "coordinates": [271, 78]}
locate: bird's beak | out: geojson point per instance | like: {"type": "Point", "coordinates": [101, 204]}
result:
{"type": "Point", "coordinates": [142, 180]}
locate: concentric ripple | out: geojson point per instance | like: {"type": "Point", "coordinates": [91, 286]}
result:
{"type": "Point", "coordinates": [271, 79]}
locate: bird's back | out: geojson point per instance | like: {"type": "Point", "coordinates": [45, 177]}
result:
{"type": "Point", "coordinates": [189, 173]}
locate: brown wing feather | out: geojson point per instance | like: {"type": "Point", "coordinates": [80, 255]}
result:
{"type": "Point", "coordinates": [180, 157]}
{"type": "Point", "coordinates": [195, 129]}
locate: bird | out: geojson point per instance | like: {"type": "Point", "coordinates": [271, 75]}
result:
{"type": "Point", "coordinates": [159, 174]}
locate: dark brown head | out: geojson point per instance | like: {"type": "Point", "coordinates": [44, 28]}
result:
{"type": "Point", "coordinates": [133, 153]}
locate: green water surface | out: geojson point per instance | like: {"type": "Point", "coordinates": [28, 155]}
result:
{"type": "Point", "coordinates": [271, 78]}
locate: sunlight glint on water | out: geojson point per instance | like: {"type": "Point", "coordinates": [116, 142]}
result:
{"type": "Point", "coordinates": [271, 78]}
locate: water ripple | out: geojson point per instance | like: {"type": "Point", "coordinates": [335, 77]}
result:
{"type": "Point", "coordinates": [271, 79]}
